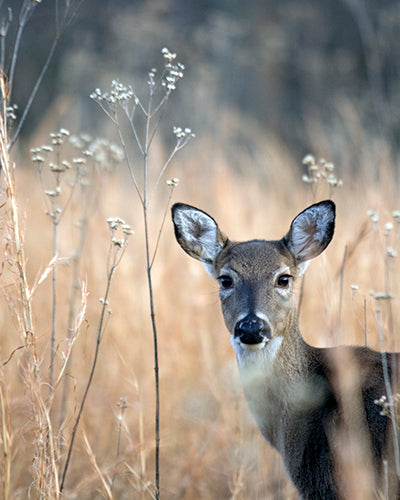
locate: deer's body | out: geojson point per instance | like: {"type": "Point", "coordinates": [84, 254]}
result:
{"type": "Point", "coordinates": [300, 414]}
{"type": "Point", "coordinates": [309, 403]}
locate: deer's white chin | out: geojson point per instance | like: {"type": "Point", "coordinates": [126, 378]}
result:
{"type": "Point", "coordinates": [254, 347]}
{"type": "Point", "coordinates": [254, 354]}
{"type": "Point", "coordinates": [248, 347]}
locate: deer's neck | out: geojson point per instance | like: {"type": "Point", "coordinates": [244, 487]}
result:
{"type": "Point", "coordinates": [276, 380]}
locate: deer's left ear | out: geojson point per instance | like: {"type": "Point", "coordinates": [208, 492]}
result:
{"type": "Point", "coordinates": [311, 231]}
{"type": "Point", "coordinates": [198, 234]}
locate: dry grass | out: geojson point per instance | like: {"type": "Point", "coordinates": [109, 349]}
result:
{"type": "Point", "coordinates": [210, 447]}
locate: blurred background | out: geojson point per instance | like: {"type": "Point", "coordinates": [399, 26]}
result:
{"type": "Point", "coordinates": [265, 83]}
{"type": "Point", "coordinates": [291, 70]}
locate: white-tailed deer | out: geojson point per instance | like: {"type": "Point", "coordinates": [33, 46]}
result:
{"type": "Point", "coordinates": [314, 405]}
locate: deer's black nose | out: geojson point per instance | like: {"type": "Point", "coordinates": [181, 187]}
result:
{"type": "Point", "coordinates": [252, 330]}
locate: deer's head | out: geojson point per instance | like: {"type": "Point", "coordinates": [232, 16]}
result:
{"type": "Point", "coordinates": [257, 278]}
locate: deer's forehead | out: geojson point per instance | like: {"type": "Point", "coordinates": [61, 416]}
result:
{"type": "Point", "coordinates": [256, 257]}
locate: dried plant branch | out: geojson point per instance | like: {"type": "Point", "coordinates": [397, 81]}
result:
{"type": "Point", "coordinates": [99, 473]}
{"type": "Point", "coordinates": [18, 259]}
{"type": "Point", "coordinates": [388, 387]}
{"type": "Point", "coordinates": [124, 96]}
{"type": "Point", "coordinates": [6, 433]}
{"type": "Point", "coordinates": [117, 248]}
{"type": "Point", "coordinates": [69, 15]}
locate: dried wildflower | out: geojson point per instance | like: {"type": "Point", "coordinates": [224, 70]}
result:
{"type": "Point", "coordinates": [182, 134]}
{"type": "Point", "coordinates": [173, 71]}
{"type": "Point", "coordinates": [36, 157]}
{"type": "Point", "coordinates": [168, 56]}
{"type": "Point", "coordinates": [114, 222]}
{"type": "Point", "coordinates": [389, 408]}
{"type": "Point", "coordinates": [119, 93]}
{"type": "Point", "coordinates": [105, 153]}
{"type": "Point", "coordinates": [122, 404]}
{"type": "Point", "coordinates": [381, 295]}
{"type": "Point", "coordinates": [52, 194]}
{"type": "Point", "coordinates": [126, 229]}
{"type": "Point", "coordinates": [321, 170]}
{"type": "Point", "coordinates": [309, 160]}
{"type": "Point", "coordinates": [79, 161]}
{"type": "Point", "coordinates": [388, 227]}
{"type": "Point", "coordinates": [391, 252]}
{"type": "Point", "coordinates": [173, 182]}
{"type": "Point", "coordinates": [118, 242]}
{"type": "Point", "coordinates": [117, 220]}
{"type": "Point", "coordinates": [396, 216]}
{"type": "Point", "coordinates": [66, 164]}
{"type": "Point", "coordinates": [329, 167]}
{"type": "Point", "coordinates": [76, 141]}
{"type": "Point", "coordinates": [117, 224]}
{"type": "Point", "coordinates": [11, 112]}
{"type": "Point", "coordinates": [58, 169]}
{"type": "Point", "coordinates": [373, 215]}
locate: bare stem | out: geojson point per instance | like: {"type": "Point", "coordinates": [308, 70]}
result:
{"type": "Point", "coordinates": [54, 300]}
{"type": "Point", "coordinates": [151, 299]}
{"type": "Point", "coordinates": [162, 226]}
{"type": "Point", "coordinates": [89, 382]}
{"type": "Point", "coordinates": [130, 167]}
{"type": "Point", "coordinates": [72, 310]}
{"type": "Point", "coordinates": [341, 290]}
{"type": "Point", "coordinates": [164, 168]}
{"type": "Point", "coordinates": [66, 21]}
{"type": "Point", "coordinates": [6, 438]}
{"type": "Point", "coordinates": [17, 240]}
{"type": "Point", "coordinates": [389, 392]}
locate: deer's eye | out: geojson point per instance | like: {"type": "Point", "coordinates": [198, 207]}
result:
{"type": "Point", "coordinates": [284, 280]}
{"type": "Point", "coordinates": [225, 282]}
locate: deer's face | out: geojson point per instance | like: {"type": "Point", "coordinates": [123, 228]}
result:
{"type": "Point", "coordinates": [257, 277]}
{"type": "Point", "coordinates": [256, 280]}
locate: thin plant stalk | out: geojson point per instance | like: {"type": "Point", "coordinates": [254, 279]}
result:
{"type": "Point", "coordinates": [100, 331]}
{"type": "Point", "coordinates": [125, 98]}
{"type": "Point", "coordinates": [103, 480]}
{"type": "Point", "coordinates": [25, 14]}
{"type": "Point", "coordinates": [6, 438]}
{"type": "Point", "coordinates": [20, 260]}
{"type": "Point", "coordinates": [56, 214]}
{"type": "Point", "coordinates": [122, 404]}
{"type": "Point", "coordinates": [339, 320]}
{"type": "Point", "coordinates": [72, 310]}
{"type": "Point", "coordinates": [54, 303]}
{"type": "Point", "coordinates": [5, 24]}
{"type": "Point", "coordinates": [59, 33]}
{"type": "Point", "coordinates": [388, 390]}
{"type": "Point", "coordinates": [130, 167]}
{"type": "Point", "coordinates": [173, 184]}
{"type": "Point", "coordinates": [151, 299]}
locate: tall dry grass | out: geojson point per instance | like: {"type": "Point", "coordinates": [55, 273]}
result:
{"type": "Point", "coordinates": [210, 447]}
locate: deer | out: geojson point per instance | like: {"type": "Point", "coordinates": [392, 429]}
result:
{"type": "Point", "coordinates": [301, 398]}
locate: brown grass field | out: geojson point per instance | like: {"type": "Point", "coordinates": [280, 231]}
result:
{"type": "Point", "coordinates": [210, 447]}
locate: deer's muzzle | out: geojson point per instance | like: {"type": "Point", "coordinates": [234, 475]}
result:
{"type": "Point", "coordinates": [252, 330]}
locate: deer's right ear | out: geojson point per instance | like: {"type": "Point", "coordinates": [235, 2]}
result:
{"type": "Point", "coordinates": [311, 231]}
{"type": "Point", "coordinates": [198, 234]}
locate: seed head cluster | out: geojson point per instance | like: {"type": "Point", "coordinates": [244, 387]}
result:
{"type": "Point", "coordinates": [118, 225]}
{"type": "Point", "coordinates": [320, 170]}
{"type": "Point", "coordinates": [121, 94]}
{"type": "Point", "coordinates": [389, 408]}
